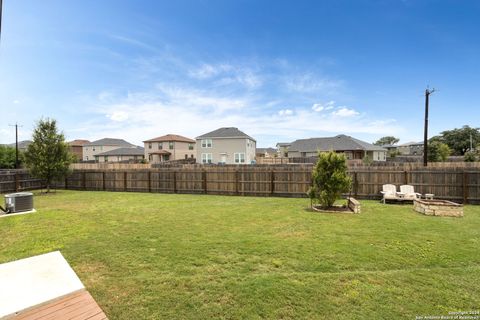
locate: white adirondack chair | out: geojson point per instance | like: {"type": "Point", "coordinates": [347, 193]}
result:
{"type": "Point", "coordinates": [389, 192]}
{"type": "Point", "coordinates": [409, 192]}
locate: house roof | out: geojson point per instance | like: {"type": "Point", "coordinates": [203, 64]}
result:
{"type": "Point", "coordinates": [338, 143]}
{"type": "Point", "coordinates": [110, 142]}
{"type": "Point", "coordinates": [78, 143]}
{"type": "Point", "coordinates": [284, 144]}
{"type": "Point", "coordinates": [227, 132]}
{"type": "Point", "coordinates": [137, 151]}
{"type": "Point", "coordinates": [21, 144]}
{"type": "Point", "coordinates": [411, 143]}
{"type": "Point", "coordinates": [266, 150]}
{"type": "Point", "coordinates": [171, 137]}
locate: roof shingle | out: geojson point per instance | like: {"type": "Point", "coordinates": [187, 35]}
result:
{"type": "Point", "coordinates": [226, 132]}
{"type": "Point", "coordinates": [338, 143]}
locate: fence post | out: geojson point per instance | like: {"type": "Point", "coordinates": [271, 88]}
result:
{"type": "Point", "coordinates": [465, 187]}
{"type": "Point", "coordinates": [355, 184]}
{"type": "Point", "coordinates": [405, 177]}
{"type": "Point", "coordinates": [272, 182]}
{"type": "Point", "coordinates": [236, 181]}
{"type": "Point", "coordinates": [204, 180]}
{"type": "Point", "coordinates": [174, 181]}
{"type": "Point", "coordinates": [17, 182]}
{"type": "Point", "coordinates": [125, 181]}
{"type": "Point", "coordinates": [103, 180]}
{"type": "Point", "coordinates": [84, 180]}
{"type": "Point", "coordinates": [149, 181]}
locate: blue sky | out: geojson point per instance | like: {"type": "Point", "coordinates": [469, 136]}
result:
{"type": "Point", "coordinates": [278, 70]}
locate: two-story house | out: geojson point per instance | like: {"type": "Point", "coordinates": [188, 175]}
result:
{"type": "Point", "coordinates": [226, 146]}
{"type": "Point", "coordinates": [169, 147]}
{"type": "Point", "coordinates": [91, 149]}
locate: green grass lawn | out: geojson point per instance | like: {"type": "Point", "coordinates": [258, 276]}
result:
{"type": "Point", "coordinates": [157, 256]}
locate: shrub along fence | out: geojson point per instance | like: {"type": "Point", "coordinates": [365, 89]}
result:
{"type": "Point", "coordinates": [456, 184]}
{"type": "Point", "coordinates": [461, 185]}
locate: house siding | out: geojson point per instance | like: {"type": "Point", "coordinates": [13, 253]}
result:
{"type": "Point", "coordinates": [180, 149]}
{"type": "Point", "coordinates": [227, 147]}
{"type": "Point", "coordinates": [89, 154]}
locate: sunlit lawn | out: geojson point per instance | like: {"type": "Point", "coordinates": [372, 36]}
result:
{"type": "Point", "coordinates": [157, 256]}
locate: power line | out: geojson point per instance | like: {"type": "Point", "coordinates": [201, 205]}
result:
{"type": "Point", "coordinates": [16, 141]}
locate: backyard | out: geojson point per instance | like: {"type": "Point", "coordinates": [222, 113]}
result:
{"type": "Point", "coordinates": [161, 256]}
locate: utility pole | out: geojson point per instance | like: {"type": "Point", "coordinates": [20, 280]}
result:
{"type": "Point", "coordinates": [428, 92]}
{"type": "Point", "coordinates": [16, 141]}
{"type": "Point", "coordinates": [1, 5]}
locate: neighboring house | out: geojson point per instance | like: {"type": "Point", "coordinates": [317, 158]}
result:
{"type": "Point", "coordinates": [121, 155]}
{"type": "Point", "coordinates": [351, 147]}
{"type": "Point", "coordinates": [226, 146]}
{"type": "Point", "coordinates": [103, 145]}
{"type": "Point", "coordinates": [76, 147]}
{"type": "Point", "coordinates": [266, 153]}
{"type": "Point", "coordinates": [411, 149]}
{"type": "Point", "coordinates": [392, 148]}
{"type": "Point", "coordinates": [22, 145]}
{"type": "Point", "coordinates": [169, 147]}
{"type": "Point", "coordinates": [282, 149]}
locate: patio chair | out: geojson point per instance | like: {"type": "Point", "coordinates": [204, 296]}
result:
{"type": "Point", "coordinates": [389, 192]}
{"type": "Point", "coordinates": [409, 192]}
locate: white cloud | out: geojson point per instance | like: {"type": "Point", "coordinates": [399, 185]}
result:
{"type": "Point", "coordinates": [310, 83]}
{"type": "Point", "coordinates": [206, 71]}
{"type": "Point", "coordinates": [320, 107]}
{"type": "Point", "coordinates": [285, 112]}
{"type": "Point", "coordinates": [16, 101]}
{"type": "Point", "coordinates": [118, 116]}
{"type": "Point", "coordinates": [345, 112]}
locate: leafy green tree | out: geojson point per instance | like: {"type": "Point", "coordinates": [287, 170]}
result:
{"type": "Point", "coordinates": [329, 178]}
{"type": "Point", "coordinates": [470, 156]}
{"type": "Point", "coordinates": [459, 139]}
{"type": "Point", "coordinates": [48, 156]}
{"type": "Point", "coordinates": [7, 157]}
{"type": "Point", "coordinates": [438, 151]}
{"type": "Point", "coordinates": [386, 140]}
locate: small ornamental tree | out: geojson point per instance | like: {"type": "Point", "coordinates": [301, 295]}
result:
{"type": "Point", "coordinates": [469, 156]}
{"type": "Point", "coordinates": [7, 157]}
{"type": "Point", "coordinates": [48, 157]}
{"type": "Point", "coordinates": [438, 151]}
{"type": "Point", "coordinates": [329, 179]}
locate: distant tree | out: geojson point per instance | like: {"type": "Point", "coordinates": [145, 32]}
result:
{"type": "Point", "coordinates": [438, 151]}
{"type": "Point", "coordinates": [459, 139]}
{"type": "Point", "coordinates": [470, 156]}
{"type": "Point", "coordinates": [7, 157]}
{"type": "Point", "coordinates": [386, 140]}
{"type": "Point", "coordinates": [48, 156]}
{"type": "Point", "coordinates": [329, 178]}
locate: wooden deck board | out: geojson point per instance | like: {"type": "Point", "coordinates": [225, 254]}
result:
{"type": "Point", "coordinates": [76, 306]}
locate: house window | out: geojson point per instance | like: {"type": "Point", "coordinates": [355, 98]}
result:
{"type": "Point", "coordinates": [190, 146]}
{"type": "Point", "coordinates": [186, 156]}
{"type": "Point", "coordinates": [206, 158]}
{"type": "Point", "coordinates": [191, 156]}
{"type": "Point", "coordinates": [170, 145]}
{"type": "Point", "coordinates": [149, 145]}
{"type": "Point", "coordinates": [160, 146]}
{"type": "Point", "coordinates": [87, 158]}
{"type": "Point", "coordinates": [93, 149]}
{"type": "Point", "coordinates": [239, 157]}
{"type": "Point", "coordinates": [206, 143]}
{"type": "Point", "coordinates": [105, 158]}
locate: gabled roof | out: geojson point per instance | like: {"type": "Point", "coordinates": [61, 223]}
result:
{"type": "Point", "coordinates": [171, 137]}
{"type": "Point", "coordinates": [283, 144]}
{"type": "Point", "coordinates": [411, 143]}
{"type": "Point", "coordinates": [137, 151]}
{"type": "Point", "coordinates": [338, 143]}
{"type": "Point", "coordinates": [266, 150]}
{"type": "Point", "coordinates": [110, 142]}
{"type": "Point", "coordinates": [77, 143]}
{"type": "Point", "coordinates": [21, 144]}
{"type": "Point", "coordinates": [227, 132]}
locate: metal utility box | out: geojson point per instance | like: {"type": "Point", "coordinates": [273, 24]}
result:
{"type": "Point", "coordinates": [19, 202]}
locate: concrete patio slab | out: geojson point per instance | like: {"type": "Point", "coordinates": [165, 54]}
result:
{"type": "Point", "coordinates": [33, 281]}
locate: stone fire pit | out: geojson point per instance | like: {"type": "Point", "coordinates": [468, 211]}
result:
{"type": "Point", "coordinates": [438, 208]}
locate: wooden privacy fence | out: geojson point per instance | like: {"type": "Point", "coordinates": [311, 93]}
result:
{"type": "Point", "coordinates": [17, 180]}
{"type": "Point", "coordinates": [459, 185]}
